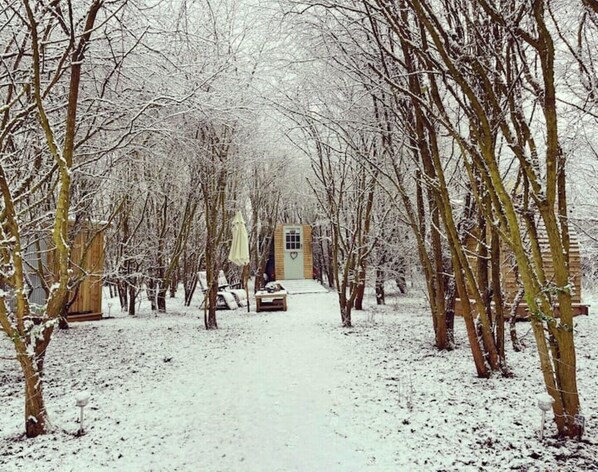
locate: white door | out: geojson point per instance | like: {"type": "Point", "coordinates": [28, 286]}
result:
{"type": "Point", "coordinates": [293, 252]}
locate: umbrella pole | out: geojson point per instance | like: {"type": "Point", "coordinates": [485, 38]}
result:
{"type": "Point", "coordinates": [246, 272]}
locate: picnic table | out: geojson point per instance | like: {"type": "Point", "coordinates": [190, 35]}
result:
{"type": "Point", "coordinates": [271, 301]}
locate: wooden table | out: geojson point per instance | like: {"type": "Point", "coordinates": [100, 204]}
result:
{"type": "Point", "coordinates": [271, 301]}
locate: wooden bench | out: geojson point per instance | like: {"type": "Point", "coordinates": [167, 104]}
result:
{"type": "Point", "coordinates": [271, 301]}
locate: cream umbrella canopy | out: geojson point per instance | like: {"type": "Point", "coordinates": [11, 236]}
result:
{"type": "Point", "coordinates": [239, 248]}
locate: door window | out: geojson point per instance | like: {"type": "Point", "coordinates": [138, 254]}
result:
{"type": "Point", "coordinates": [293, 240]}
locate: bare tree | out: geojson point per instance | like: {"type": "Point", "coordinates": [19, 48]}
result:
{"type": "Point", "coordinates": [484, 81]}
{"type": "Point", "coordinates": [50, 46]}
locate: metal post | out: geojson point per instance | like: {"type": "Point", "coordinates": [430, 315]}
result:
{"type": "Point", "coordinates": [81, 421]}
{"type": "Point", "coordinates": [246, 281]}
{"type": "Point", "coordinates": [542, 425]}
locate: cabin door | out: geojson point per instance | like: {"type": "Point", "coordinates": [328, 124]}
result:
{"type": "Point", "coordinates": [293, 252]}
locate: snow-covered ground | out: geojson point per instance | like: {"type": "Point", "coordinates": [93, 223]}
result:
{"type": "Point", "coordinates": [288, 392]}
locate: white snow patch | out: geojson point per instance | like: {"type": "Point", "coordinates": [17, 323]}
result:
{"type": "Point", "coordinates": [288, 392]}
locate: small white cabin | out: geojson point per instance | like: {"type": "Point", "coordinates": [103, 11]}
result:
{"type": "Point", "coordinates": [293, 252]}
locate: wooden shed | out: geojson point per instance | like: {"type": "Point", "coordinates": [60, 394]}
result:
{"type": "Point", "coordinates": [293, 252]}
{"type": "Point", "coordinates": [509, 282]}
{"type": "Point", "coordinates": [87, 259]}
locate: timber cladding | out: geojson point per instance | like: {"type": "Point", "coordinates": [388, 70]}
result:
{"type": "Point", "coordinates": [87, 265]}
{"type": "Point", "coordinates": [508, 267]}
{"type": "Point", "coordinates": [87, 259]}
{"type": "Point", "coordinates": [279, 252]}
{"type": "Point", "coordinates": [509, 279]}
{"type": "Point", "coordinates": [279, 246]}
{"type": "Point", "coordinates": [308, 264]}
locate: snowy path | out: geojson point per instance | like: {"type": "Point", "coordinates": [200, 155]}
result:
{"type": "Point", "coordinates": [266, 392]}
{"type": "Point", "coordinates": [286, 392]}
{"type": "Point", "coordinates": [272, 404]}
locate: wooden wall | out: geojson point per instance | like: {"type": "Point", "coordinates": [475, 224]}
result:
{"type": "Point", "coordinates": [308, 262]}
{"type": "Point", "coordinates": [509, 276]}
{"type": "Point", "coordinates": [279, 252]}
{"type": "Point", "coordinates": [89, 295]}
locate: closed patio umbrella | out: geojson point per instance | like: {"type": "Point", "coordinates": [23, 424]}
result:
{"type": "Point", "coordinates": [239, 248]}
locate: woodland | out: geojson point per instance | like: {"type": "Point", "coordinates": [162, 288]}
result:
{"type": "Point", "coordinates": [430, 140]}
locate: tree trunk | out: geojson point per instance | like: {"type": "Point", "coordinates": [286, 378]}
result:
{"type": "Point", "coordinates": [439, 294]}
{"type": "Point", "coordinates": [262, 264]}
{"type": "Point", "coordinates": [259, 279]}
{"type": "Point", "coordinates": [122, 295]}
{"type": "Point", "coordinates": [482, 266]}
{"type": "Point", "coordinates": [151, 293]}
{"type": "Point", "coordinates": [449, 305]}
{"type": "Point", "coordinates": [161, 299]}
{"type": "Point", "coordinates": [132, 299]}
{"type": "Point", "coordinates": [346, 315]}
{"type": "Point", "coordinates": [35, 411]}
{"type": "Point", "coordinates": [474, 342]}
{"type": "Point", "coordinates": [380, 287]}
{"type": "Point", "coordinates": [401, 281]}
{"type": "Point", "coordinates": [497, 296]}
{"type": "Point", "coordinates": [63, 322]}
{"type": "Point", "coordinates": [513, 320]}
{"type": "Point", "coordinates": [360, 289]}
{"type": "Point", "coordinates": [210, 309]}
{"type": "Point", "coordinates": [36, 417]}
{"type": "Point", "coordinates": [189, 289]}
{"type": "Point", "coordinates": [174, 282]}
{"type": "Point", "coordinates": [329, 263]}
